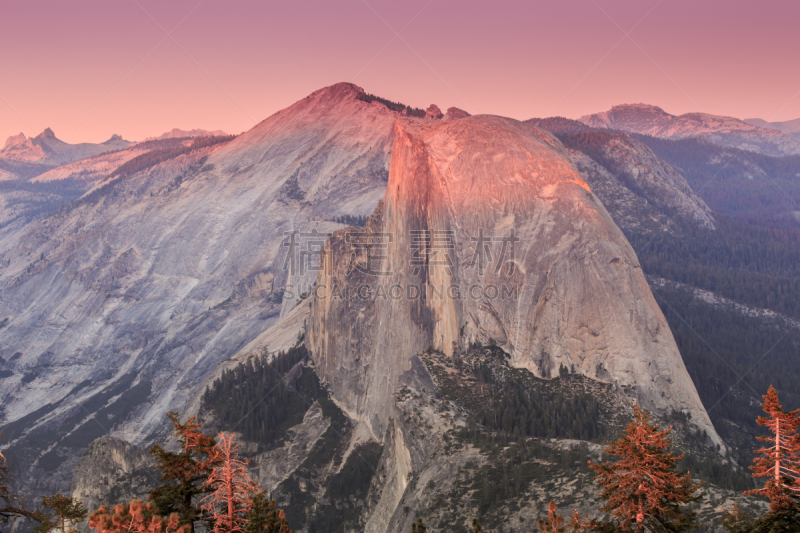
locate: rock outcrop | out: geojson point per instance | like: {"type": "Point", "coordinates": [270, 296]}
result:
{"type": "Point", "coordinates": [21, 149]}
{"type": "Point", "coordinates": [113, 471]}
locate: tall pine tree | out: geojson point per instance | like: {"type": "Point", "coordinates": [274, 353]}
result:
{"type": "Point", "coordinates": [642, 489]}
{"type": "Point", "coordinates": [232, 489]}
{"type": "Point", "coordinates": [780, 461]}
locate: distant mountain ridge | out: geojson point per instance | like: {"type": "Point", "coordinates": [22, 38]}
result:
{"type": "Point", "coordinates": [47, 149]}
{"type": "Point", "coordinates": [787, 126]}
{"type": "Point", "coordinates": [725, 131]}
{"type": "Point", "coordinates": [177, 133]}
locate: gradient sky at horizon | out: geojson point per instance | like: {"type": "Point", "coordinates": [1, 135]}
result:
{"type": "Point", "coordinates": [91, 68]}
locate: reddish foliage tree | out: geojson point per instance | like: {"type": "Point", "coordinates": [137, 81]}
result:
{"type": "Point", "coordinates": [232, 489]}
{"type": "Point", "coordinates": [780, 462]}
{"type": "Point", "coordinates": [136, 517]}
{"type": "Point", "coordinates": [554, 522]}
{"type": "Point", "coordinates": [642, 487]}
{"type": "Point", "coordinates": [579, 523]}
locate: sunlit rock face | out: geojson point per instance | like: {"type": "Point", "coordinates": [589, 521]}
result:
{"type": "Point", "coordinates": [488, 219]}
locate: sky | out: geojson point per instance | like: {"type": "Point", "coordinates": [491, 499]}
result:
{"type": "Point", "coordinates": [92, 68]}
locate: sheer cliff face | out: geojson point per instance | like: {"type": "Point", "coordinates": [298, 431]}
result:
{"type": "Point", "coordinates": [490, 220]}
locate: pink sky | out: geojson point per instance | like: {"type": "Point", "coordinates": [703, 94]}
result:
{"type": "Point", "coordinates": [90, 68]}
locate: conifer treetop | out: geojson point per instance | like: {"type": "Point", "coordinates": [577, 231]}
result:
{"type": "Point", "coordinates": [780, 461]}
{"type": "Point", "coordinates": [642, 486]}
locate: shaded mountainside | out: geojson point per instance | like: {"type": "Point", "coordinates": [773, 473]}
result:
{"type": "Point", "coordinates": [756, 188]}
{"type": "Point", "coordinates": [36, 190]}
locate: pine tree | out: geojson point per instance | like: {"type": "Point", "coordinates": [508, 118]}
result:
{"type": "Point", "coordinates": [476, 526]}
{"type": "Point", "coordinates": [265, 517]}
{"type": "Point", "coordinates": [232, 489]}
{"type": "Point", "coordinates": [780, 462]}
{"type": "Point", "coordinates": [136, 517]}
{"type": "Point", "coordinates": [642, 488]}
{"type": "Point", "coordinates": [66, 513]}
{"type": "Point", "coordinates": [185, 472]}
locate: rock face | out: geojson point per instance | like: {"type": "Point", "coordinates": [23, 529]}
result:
{"type": "Point", "coordinates": [725, 131]}
{"type": "Point", "coordinates": [113, 471]}
{"type": "Point", "coordinates": [433, 112]}
{"type": "Point", "coordinates": [561, 285]}
{"type": "Point", "coordinates": [454, 113]}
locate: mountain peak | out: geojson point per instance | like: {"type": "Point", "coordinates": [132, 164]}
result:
{"type": "Point", "coordinates": [16, 140]}
{"type": "Point", "coordinates": [338, 91]}
{"type": "Point", "coordinates": [21, 148]}
{"type": "Point", "coordinates": [46, 134]}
